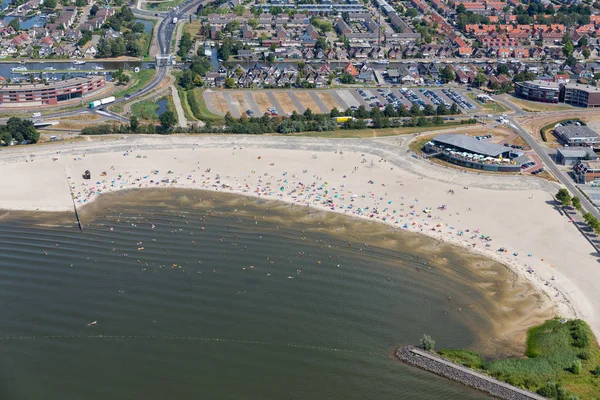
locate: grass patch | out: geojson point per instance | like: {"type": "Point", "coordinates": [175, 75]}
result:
{"type": "Point", "coordinates": [142, 78]}
{"type": "Point", "coordinates": [467, 358]}
{"type": "Point", "coordinates": [368, 133]}
{"type": "Point", "coordinates": [531, 106]}
{"type": "Point", "coordinates": [493, 107]}
{"type": "Point", "coordinates": [193, 28]}
{"type": "Point", "coordinates": [145, 110]}
{"type": "Point", "coordinates": [187, 111]}
{"type": "Point", "coordinates": [561, 356]}
{"type": "Point", "coordinates": [116, 108]}
{"type": "Point", "coordinates": [545, 130]}
{"type": "Point", "coordinates": [198, 106]}
{"type": "Point", "coordinates": [164, 6]}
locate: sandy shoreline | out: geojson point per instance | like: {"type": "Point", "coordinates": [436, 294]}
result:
{"type": "Point", "coordinates": [372, 179]}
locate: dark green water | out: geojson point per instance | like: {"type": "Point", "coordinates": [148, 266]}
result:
{"type": "Point", "coordinates": [186, 317]}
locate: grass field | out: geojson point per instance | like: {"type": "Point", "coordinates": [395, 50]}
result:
{"type": "Point", "coordinates": [187, 111]}
{"type": "Point", "coordinates": [163, 5]}
{"type": "Point", "coordinates": [370, 133]}
{"type": "Point", "coordinates": [560, 356]}
{"type": "Point", "coordinates": [307, 101]}
{"type": "Point", "coordinates": [239, 100]}
{"type": "Point", "coordinates": [193, 28]}
{"type": "Point", "coordinates": [263, 101]}
{"type": "Point", "coordinates": [140, 80]}
{"type": "Point", "coordinates": [532, 106]}
{"type": "Point", "coordinates": [285, 101]}
{"type": "Point", "coordinates": [328, 100]}
{"type": "Point", "coordinates": [493, 106]}
{"type": "Point", "coordinates": [218, 101]}
{"type": "Point", "coordinates": [195, 99]}
{"type": "Point", "coordinates": [145, 110]}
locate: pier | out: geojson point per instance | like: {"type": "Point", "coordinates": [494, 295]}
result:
{"type": "Point", "coordinates": [433, 363]}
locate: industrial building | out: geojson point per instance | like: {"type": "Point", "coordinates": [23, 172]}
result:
{"type": "Point", "coordinates": [572, 155]}
{"type": "Point", "coordinates": [469, 152]}
{"type": "Point", "coordinates": [576, 135]}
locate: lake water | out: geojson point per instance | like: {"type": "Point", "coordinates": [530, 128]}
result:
{"type": "Point", "coordinates": [162, 106]}
{"type": "Point", "coordinates": [199, 295]}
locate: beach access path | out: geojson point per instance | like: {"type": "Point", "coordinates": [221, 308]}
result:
{"type": "Point", "coordinates": [376, 179]}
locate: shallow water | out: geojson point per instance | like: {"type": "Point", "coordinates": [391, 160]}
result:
{"type": "Point", "coordinates": [199, 294]}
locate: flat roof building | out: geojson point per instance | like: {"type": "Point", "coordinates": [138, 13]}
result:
{"type": "Point", "coordinates": [572, 155]}
{"type": "Point", "coordinates": [40, 94]}
{"type": "Point", "coordinates": [574, 135]}
{"type": "Point", "coordinates": [547, 92]}
{"type": "Point", "coordinates": [581, 95]}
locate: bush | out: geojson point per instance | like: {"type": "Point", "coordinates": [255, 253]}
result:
{"type": "Point", "coordinates": [596, 371]}
{"type": "Point", "coordinates": [467, 358]}
{"type": "Point", "coordinates": [427, 343]}
{"type": "Point", "coordinates": [576, 367]}
{"type": "Point", "coordinates": [585, 354]}
{"type": "Point", "coordinates": [580, 333]}
{"type": "Point", "coordinates": [97, 130]}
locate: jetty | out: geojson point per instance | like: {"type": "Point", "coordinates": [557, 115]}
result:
{"type": "Point", "coordinates": [430, 362]}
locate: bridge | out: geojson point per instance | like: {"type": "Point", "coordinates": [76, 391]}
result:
{"type": "Point", "coordinates": [164, 60]}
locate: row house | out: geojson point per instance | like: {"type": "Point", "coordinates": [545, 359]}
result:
{"type": "Point", "coordinates": [496, 43]}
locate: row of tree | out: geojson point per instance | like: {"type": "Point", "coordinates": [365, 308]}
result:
{"type": "Point", "coordinates": [18, 130]}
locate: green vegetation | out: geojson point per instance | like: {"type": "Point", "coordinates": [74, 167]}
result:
{"type": "Point", "coordinates": [18, 130]}
{"type": "Point", "coordinates": [564, 197]}
{"type": "Point", "coordinates": [133, 42]}
{"type": "Point", "coordinates": [563, 361]}
{"type": "Point", "coordinates": [186, 106]}
{"type": "Point", "coordinates": [198, 106]}
{"type": "Point", "coordinates": [165, 5]}
{"type": "Point", "coordinates": [547, 127]}
{"type": "Point", "coordinates": [467, 358]}
{"type": "Point", "coordinates": [592, 222]}
{"type": "Point", "coordinates": [145, 110]}
{"type": "Point", "coordinates": [427, 343]}
{"type": "Point", "coordinates": [141, 79]}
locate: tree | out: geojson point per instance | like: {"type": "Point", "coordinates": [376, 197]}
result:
{"type": "Point", "coordinates": [576, 203]}
{"type": "Point", "coordinates": [167, 120]}
{"type": "Point", "coordinates": [564, 197]}
{"type": "Point", "coordinates": [15, 24]}
{"type": "Point", "coordinates": [346, 78]}
{"type": "Point", "coordinates": [568, 48]}
{"type": "Point", "coordinates": [480, 79]}
{"type": "Point", "coordinates": [583, 42]}
{"type": "Point", "coordinates": [502, 69]}
{"type": "Point", "coordinates": [138, 27]}
{"type": "Point", "coordinates": [412, 12]}
{"type": "Point", "coordinates": [586, 53]}
{"type": "Point", "coordinates": [253, 23]}
{"type": "Point", "coordinates": [427, 343]}
{"type": "Point", "coordinates": [134, 124]}
{"type": "Point", "coordinates": [334, 113]}
{"type": "Point", "coordinates": [81, 3]}
{"type": "Point", "coordinates": [454, 108]}
{"type": "Point", "coordinates": [51, 4]}
{"type": "Point", "coordinates": [229, 83]}
{"type": "Point", "coordinates": [20, 130]}
{"type": "Point", "coordinates": [447, 74]}
{"type": "Point", "coordinates": [461, 9]}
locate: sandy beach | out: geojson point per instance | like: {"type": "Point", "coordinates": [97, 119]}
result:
{"type": "Point", "coordinates": [377, 179]}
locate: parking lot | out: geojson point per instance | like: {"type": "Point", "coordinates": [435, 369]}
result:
{"type": "Point", "coordinates": [284, 102]}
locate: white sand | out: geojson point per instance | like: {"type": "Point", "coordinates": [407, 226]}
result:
{"type": "Point", "coordinates": [391, 187]}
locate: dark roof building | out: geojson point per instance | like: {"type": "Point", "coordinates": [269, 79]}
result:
{"type": "Point", "coordinates": [469, 152]}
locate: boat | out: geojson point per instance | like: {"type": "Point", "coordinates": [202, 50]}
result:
{"type": "Point", "coordinates": [49, 69]}
{"type": "Point", "coordinates": [71, 69]}
{"type": "Point", "coordinates": [19, 69]}
{"type": "Point", "coordinates": [382, 62]}
{"type": "Point", "coordinates": [78, 62]}
{"type": "Point", "coordinates": [98, 68]}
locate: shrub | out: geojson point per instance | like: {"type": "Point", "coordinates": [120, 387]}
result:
{"type": "Point", "coordinates": [596, 371]}
{"type": "Point", "coordinates": [576, 367]}
{"type": "Point", "coordinates": [427, 343]}
{"type": "Point", "coordinates": [463, 357]}
{"type": "Point", "coordinates": [97, 130]}
{"type": "Point", "coordinates": [585, 354]}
